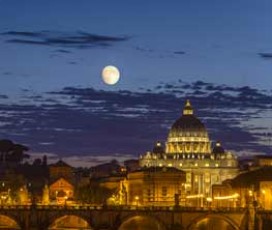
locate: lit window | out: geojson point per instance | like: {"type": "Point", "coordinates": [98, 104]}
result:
{"type": "Point", "coordinates": [170, 165]}
{"type": "Point", "coordinates": [160, 164]}
{"type": "Point", "coordinates": [196, 164]}
{"type": "Point", "coordinates": [216, 165]}
{"type": "Point", "coordinates": [207, 164]}
{"type": "Point", "coordinates": [180, 164]}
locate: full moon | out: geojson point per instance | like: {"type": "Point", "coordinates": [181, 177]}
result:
{"type": "Point", "coordinates": [110, 75]}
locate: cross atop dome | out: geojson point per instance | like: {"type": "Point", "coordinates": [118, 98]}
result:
{"type": "Point", "coordinates": [188, 109]}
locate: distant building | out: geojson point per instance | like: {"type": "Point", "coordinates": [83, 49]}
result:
{"type": "Point", "coordinates": [60, 169]}
{"type": "Point", "coordinates": [262, 160]}
{"type": "Point", "coordinates": [153, 186]}
{"type": "Point", "coordinates": [61, 190]}
{"type": "Point", "coordinates": [251, 187]}
{"type": "Point", "coordinates": [254, 185]}
{"type": "Point", "coordinates": [224, 195]}
{"type": "Point", "coordinates": [132, 165]}
{"type": "Point", "coordinates": [265, 194]}
{"type": "Point", "coordinates": [105, 170]}
{"type": "Point", "coordinates": [111, 182]}
{"type": "Point", "coordinates": [188, 148]}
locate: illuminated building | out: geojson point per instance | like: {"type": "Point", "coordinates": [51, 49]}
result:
{"type": "Point", "coordinates": [254, 185]}
{"type": "Point", "coordinates": [188, 148]}
{"type": "Point", "coordinates": [263, 160]}
{"type": "Point", "coordinates": [153, 186]}
{"type": "Point", "coordinates": [61, 190]}
{"type": "Point", "coordinates": [224, 195]}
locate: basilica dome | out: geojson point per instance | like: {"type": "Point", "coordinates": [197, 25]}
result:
{"type": "Point", "coordinates": [187, 124]}
{"type": "Point", "coordinates": [188, 134]}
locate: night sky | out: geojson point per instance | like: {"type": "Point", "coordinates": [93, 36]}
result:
{"type": "Point", "coordinates": [52, 99]}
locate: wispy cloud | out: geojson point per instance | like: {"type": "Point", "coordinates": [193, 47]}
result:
{"type": "Point", "coordinates": [61, 39]}
{"type": "Point", "coordinates": [75, 121]}
{"type": "Point", "coordinates": [180, 52]}
{"type": "Point", "coordinates": [265, 55]}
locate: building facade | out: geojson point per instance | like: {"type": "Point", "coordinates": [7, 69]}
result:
{"type": "Point", "coordinates": [61, 190]}
{"type": "Point", "coordinates": [154, 186]}
{"type": "Point", "coordinates": [60, 169]}
{"type": "Point", "coordinates": [188, 148]}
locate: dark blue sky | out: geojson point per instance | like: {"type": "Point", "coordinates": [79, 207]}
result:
{"type": "Point", "coordinates": [48, 45]}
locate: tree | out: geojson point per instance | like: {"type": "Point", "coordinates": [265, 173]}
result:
{"type": "Point", "coordinates": [83, 194]}
{"type": "Point", "coordinates": [37, 162]}
{"type": "Point", "coordinates": [11, 152]}
{"type": "Point", "coordinates": [17, 154]}
{"type": "Point", "coordinates": [6, 147]}
{"type": "Point", "coordinates": [93, 193]}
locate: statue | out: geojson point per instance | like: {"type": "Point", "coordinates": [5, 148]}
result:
{"type": "Point", "coordinates": [45, 197]}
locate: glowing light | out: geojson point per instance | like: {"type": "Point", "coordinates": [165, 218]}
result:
{"type": "Point", "coordinates": [195, 196]}
{"type": "Point", "coordinates": [234, 196]}
{"type": "Point", "coordinates": [209, 199]}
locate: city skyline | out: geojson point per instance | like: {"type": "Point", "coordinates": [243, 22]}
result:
{"type": "Point", "coordinates": [52, 98]}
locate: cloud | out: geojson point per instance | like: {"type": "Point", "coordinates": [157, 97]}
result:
{"type": "Point", "coordinates": [145, 50]}
{"type": "Point", "coordinates": [159, 53]}
{"type": "Point", "coordinates": [63, 51]}
{"type": "Point", "coordinates": [180, 52]}
{"type": "Point", "coordinates": [61, 39]}
{"type": "Point", "coordinates": [79, 121]}
{"type": "Point", "coordinates": [2, 96]}
{"type": "Point", "coordinates": [265, 55]}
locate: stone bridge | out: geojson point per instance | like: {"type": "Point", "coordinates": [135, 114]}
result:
{"type": "Point", "coordinates": [122, 218]}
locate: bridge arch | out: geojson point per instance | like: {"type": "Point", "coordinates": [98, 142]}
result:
{"type": "Point", "coordinates": [70, 221]}
{"type": "Point", "coordinates": [140, 222]}
{"type": "Point", "coordinates": [208, 221]}
{"type": "Point", "coordinates": [7, 222]}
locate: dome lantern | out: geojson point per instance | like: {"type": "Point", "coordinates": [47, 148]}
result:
{"type": "Point", "coordinates": [188, 109]}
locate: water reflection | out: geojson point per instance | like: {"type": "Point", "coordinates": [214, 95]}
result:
{"type": "Point", "coordinates": [212, 224]}
{"type": "Point", "coordinates": [141, 223]}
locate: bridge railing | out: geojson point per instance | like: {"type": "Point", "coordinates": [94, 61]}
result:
{"type": "Point", "coordinates": [121, 207]}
